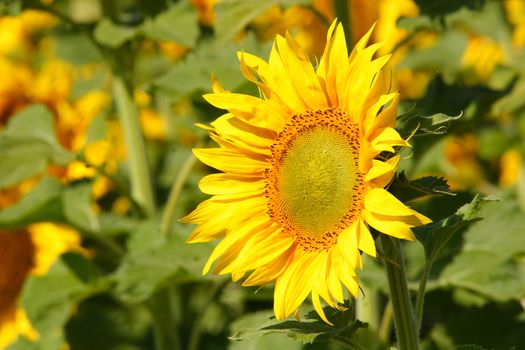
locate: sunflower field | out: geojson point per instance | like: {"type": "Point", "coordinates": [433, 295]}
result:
{"type": "Point", "coordinates": [262, 174]}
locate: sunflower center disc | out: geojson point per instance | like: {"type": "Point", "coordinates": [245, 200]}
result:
{"type": "Point", "coordinates": [314, 184]}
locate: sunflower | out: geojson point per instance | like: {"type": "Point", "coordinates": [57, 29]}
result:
{"type": "Point", "coordinates": [303, 171]}
{"type": "Point", "coordinates": [23, 253]}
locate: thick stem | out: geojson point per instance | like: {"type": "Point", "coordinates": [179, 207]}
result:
{"type": "Point", "coordinates": [403, 313]}
{"type": "Point", "coordinates": [162, 309]}
{"type": "Point", "coordinates": [171, 205]}
{"type": "Point", "coordinates": [141, 188]}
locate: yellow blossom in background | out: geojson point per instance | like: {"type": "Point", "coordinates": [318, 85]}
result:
{"type": "Point", "coordinates": [52, 83]}
{"type": "Point", "coordinates": [173, 50]}
{"type": "Point", "coordinates": [411, 83]}
{"type": "Point", "coordinates": [15, 79]}
{"type": "Point", "coordinates": [511, 163]}
{"type": "Point", "coordinates": [301, 180]}
{"type": "Point", "coordinates": [25, 252]}
{"type": "Point", "coordinates": [515, 10]}
{"type": "Point", "coordinates": [36, 21]}
{"type": "Point", "coordinates": [480, 58]}
{"type": "Point", "coordinates": [50, 241]}
{"type": "Point", "coordinates": [153, 124]}
{"type": "Point", "coordinates": [16, 261]}
{"type": "Point", "coordinates": [16, 31]}
{"type": "Point", "coordinates": [205, 8]}
{"type": "Point", "coordinates": [461, 166]}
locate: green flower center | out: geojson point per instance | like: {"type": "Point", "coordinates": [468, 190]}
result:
{"type": "Point", "coordinates": [314, 185]}
{"type": "Point", "coordinates": [317, 180]}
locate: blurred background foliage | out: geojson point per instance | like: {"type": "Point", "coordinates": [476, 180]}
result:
{"type": "Point", "coordinates": [87, 263]}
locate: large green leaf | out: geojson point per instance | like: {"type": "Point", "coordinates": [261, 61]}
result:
{"type": "Point", "coordinates": [113, 35]}
{"type": "Point", "coordinates": [49, 302]}
{"type": "Point", "coordinates": [406, 190]}
{"type": "Point", "coordinates": [77, 207]}
{"type": "Point", "coordinates": [211, 57]}
{"type": "Point", "coordinates": [435, 236]}
{"type": "Point", "coordinates": [491, 261]}
{"type": "Point", "coordinates": [310, 329]}
{"type": "Point", "coordinates": [152, 259]}
{"type": "Point", "coordinates": [42, 203]}
{"type": "Point", "coordinates": [28, 144]}
{"type": "Point", "coordinates": [179, 23]}
{"type": "Point", "coordinates": [232, 16]}
{"type": "Point", "coordinates": [269, 341]}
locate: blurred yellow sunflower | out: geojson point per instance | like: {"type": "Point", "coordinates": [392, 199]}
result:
{"type": "Point", "coordinates": [303, 172]}
{"type": "Point", "coordinates": [22, 253]}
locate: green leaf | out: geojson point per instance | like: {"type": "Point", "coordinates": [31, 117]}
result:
{"type": "Point", "coordinates": [77, 206]}
{"type": "Point", "coordinates": [179, 23]}
{"type": "Point", "coordinates": [491, 261]}
{"type": "Point", "coordinates": [310, 329]}
{"type": "Point", "coordinates": [512, 101]}
{"type": "Point", "coordinates": [435, 236]}
{"type": "Point", "coordinates": [81, 267]}
{"type": "Point", "coordinates": [211, 57]}
{"type": "Point", "coordinates": [232, 16]}
{"type": "Point", "coordinates": [48, 300]}
{"type": "Point", "coordinates": [113, 35]}
{"type": "Point", "coordinates": [269, 341]}
{"type": "Point", "coordinates": [42, 203]}
{"type": "Point", "coordinates": [407, 190]}
{"type": "Point", "coordinates": [451, 42]}
{"type": "Point", "coordinates": [152, 259]}
{"type": "Point", "coordinates": [414, 124]}
{"type": "Point", "coordinates": [28, 144]}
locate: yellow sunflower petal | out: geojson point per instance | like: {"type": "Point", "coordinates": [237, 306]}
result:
{"type": "Point", "coordinates": [296, 282]}
{"type": "Point", "coordinates": [388, 226]}
{"type": "Point", "coordinates": [300, 72]}
{"type": "Point", "coordinates": [334, 63]}
{"type": "Point", "coordinates": [366, 241]}
{"type": "Point", "coordinates": [224, 183]}
{"type": "Point", "coordinates": [229, 161]}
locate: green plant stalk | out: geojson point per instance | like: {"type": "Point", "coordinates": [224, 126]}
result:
{"type": "Point", "coordinates": [141, 188]}
{"type": "Point", "coordinates": [162, 306]}
{"type": "Point", "coordinates": [171, 205]}
{"type": "Point", "coordinates": [404, 320]}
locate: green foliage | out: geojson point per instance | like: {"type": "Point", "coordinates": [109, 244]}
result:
{"type": "Point", "coordinates": [178, 24]}
{"type": "Point", "coordinates": [42, 203]}
{"type": "Point", "coordinates": [310, 329]}
{"type": "Point", "coordinates": [28, 144]}
{"type": "Point", "coordinates": [193, 75]}
{"type": "Point", "coordinates": [76, 201]}
{"type": "Point", "coordinates": [49, 311]}
{"type": "Point", "coordinates": [111, 34]}
{"type": "Point", "coordinates": [406, 190]}
{"type": "Point", "coordinates": [135, 281]}
{"type": "Point", "coordinates": [152, 260]}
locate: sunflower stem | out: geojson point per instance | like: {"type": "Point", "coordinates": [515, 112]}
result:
{"type": "Point", "coordinates": [141, 189]}
{"type": "Point", "coordinates": [402, 306]}
{"type": "Point", "coordinates": [162, 307]}
{"type": "Point", "coordinates": [171, 205]}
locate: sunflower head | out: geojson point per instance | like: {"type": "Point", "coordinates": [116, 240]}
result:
{"type": "Point", "coordinates": [302, 172]}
